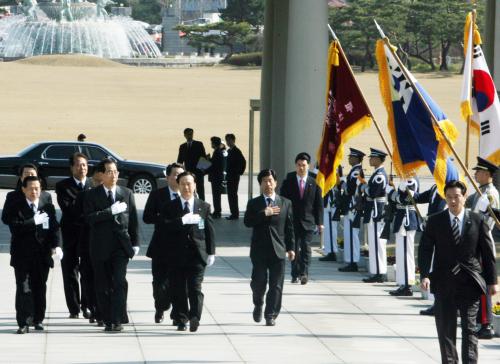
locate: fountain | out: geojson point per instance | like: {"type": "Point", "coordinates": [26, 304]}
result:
{"type": "Point", "coordinates": [67, 27]}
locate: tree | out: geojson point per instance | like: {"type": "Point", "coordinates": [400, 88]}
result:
{"type": "Point", "coordinates": [225, 33]}
{"type": "Point", "coordinates": [249, 11]}
{"type": "Point", "coordinates": [148, 11]}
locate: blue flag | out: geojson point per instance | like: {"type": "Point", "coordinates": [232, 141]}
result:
{"type": "Point", "coordinates": [416, 140]}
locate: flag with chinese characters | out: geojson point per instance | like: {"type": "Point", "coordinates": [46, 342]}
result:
{"type": "Point", "coordinates": [479, 100]}
{"type": "Point", "coordinates": [346, 116]}
{"type": "Point", "coordinates": [416, 141]}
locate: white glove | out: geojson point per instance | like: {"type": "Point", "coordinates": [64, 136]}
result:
{"type": "Point", "coordinates": [343, 179]}
{"type": "Point", "coordinates": [402, 185]}
{"type": "Point", "coordinates": [59, 253]}
{"type": "Point", "coordinates": [191, 219]}
{"type": "Point", "coordinates": [388, 189]}
{"type": "Point", "coordinates": [41, 218]}
{"type": "Point", "coordinates": [118, 207]}
{"type": "Point", "coordinates": [136, 250]}
{"type": "Point", "coordinates": [483, 203]}
{"type": "Point", "coordinates": [210, 260]}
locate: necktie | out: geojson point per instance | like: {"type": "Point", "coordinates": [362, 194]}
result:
{"type": "Point", "coordinates": [111, 200]}
{"type": "Point", "coordinates": [301, 185]}
{"type": "Point", "coordinates": [455, 230]}
{"type": "Point", "coordinates": [175, 195]}
{"type": "Point", "coordinates": [269, 201]}
{"type": "Point", "coordinates": [33, 207]}
{"type": "Point", "coordinates": [186, 208]}
{"type": "Point", "coordinates": [80, 186]}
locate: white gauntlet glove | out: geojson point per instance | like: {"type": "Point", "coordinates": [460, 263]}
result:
{"type": "Point", "coordinates": [41, 218]}
{"type": "Point", "coordinates": [58, 253]}
{"type": "Point", "coordinates": [191, 219]}
{"type": "Point", "coordinates": [210, 260]}
{"type": "Point", "coordinates": [118, 208]}
{"type": "Point", "coordinates": [483, 203]}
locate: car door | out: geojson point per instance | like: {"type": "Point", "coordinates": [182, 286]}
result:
{"type": "Point", "coordinates": [54, 163]}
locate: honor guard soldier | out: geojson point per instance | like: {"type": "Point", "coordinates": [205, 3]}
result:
{"type": "Point", "coordinates": [333, 209]}
{"type": "Point", "coordinates": [373, 215]}
{"type": "Point", "coordinates": [484, 177]}
{"type": "Point", "coordinates": [354, 213]}
{"type": "Point", "coordinates": [405, 226]}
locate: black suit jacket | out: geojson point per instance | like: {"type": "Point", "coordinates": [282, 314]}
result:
{"type": "Point", "coordinates": [271, 234]}
{"type": "Point", "coordinates": [235, 164]}
{"type": "Point", "coordinates": [152, 215]}
{"type": "Point", "coordinates": [72, 219]}
{"type": "Point", "coordinates": [30, 240]}
{"type": "Point", "coordinates": [176, 239]}
{"type": "Point", "coordinates": [107, 229]}
{"type": "Point", "coordinates": [216, 170]}
{"type": "Point", "coordinates": [307, 211]}
{"type": "Point", "coordinates": [474, 254]}
{"type": "Point", "coordinates": [12, 197]}
{"type": "Point", "coordinates": [191, 156]}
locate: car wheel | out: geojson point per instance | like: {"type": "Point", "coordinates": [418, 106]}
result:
{"type": "Point", "coordinates": [142, 184]}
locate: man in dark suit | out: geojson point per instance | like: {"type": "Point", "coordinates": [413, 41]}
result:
{"type": "Point", "coordinates": [188, 245]}
{"type": "Point", "coordinates": [235, 166]}
{"type": "Point", "coordinates": [457, 242]}
{"type": "Point", "coordinates": [72, 221]}
{"type": "Point", "coordinates": [216, 174]}
{"type": "Point", "coordinates": [159, 269]}
{"type": "Point", "coordinates": [112, 217]}
{"type": "Point", "coordinates": [190, 153]}
{"type": "Point", "coordinates": [270, 217]}
{"type": "Point", "coordinates": [307, 204]}
{"type": "Point", "coordinates": [32, 221]}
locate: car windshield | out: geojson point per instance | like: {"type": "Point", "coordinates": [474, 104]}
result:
{"type": "Point", "coordinates": [26, 150]}
{"type": "Point", "coordinates": [113, 154]}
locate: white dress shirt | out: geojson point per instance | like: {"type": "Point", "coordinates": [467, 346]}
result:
{"type": "Point", "coordinates": [190, 203]}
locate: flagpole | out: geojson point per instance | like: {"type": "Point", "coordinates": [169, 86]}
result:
{"type": "Point", "coordinates": [434, 119]}
{"type": "Point", "coordinates": [384, 141]}
{"type": "Point", "coordinates": [469, 117]}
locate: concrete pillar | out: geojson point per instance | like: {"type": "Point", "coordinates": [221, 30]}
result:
{"type": "Point", "coordinates": [492, 40]}
{"type": "Point", "coordinates": [293, 81]}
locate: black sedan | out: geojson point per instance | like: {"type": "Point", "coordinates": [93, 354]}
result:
{"type": "Point", "coordinates": [51, 159]}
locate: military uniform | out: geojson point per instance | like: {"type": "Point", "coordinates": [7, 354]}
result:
{"type": "Point", "coordinates": [333, 209]}
{"type": "Point", "coordinates": [375, 191]}
{"type": "Point", "coordinates": [405, 226]}
{"type": "Point", "coordinates": [354, 214]}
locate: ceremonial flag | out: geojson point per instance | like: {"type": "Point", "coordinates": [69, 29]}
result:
{"type": "Point", "coordinates": [416, 141]}
{"type": "Point", "coordinates": [346, 116]}
{"type": "Point", "coordinates": [479, 100]}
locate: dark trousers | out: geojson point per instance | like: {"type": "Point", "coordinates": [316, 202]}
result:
{"type": "Point", "coordinates": [300, 265]}
{"type": "Point", "coordinates": [31, 289]}
{"type": "Point", "coordinates": [111, 286]}
{"type": "Point", "coordinates": [70, 265]}
{"type": "Point", "coordinates": [445, 308]}
{"type": "Point", "coordinates": [268, 269]}
{"type": "Point", "coordinates": [216, 195]}
{"type": "Point", "coordinates": [200, 184]}
{"type": "Point", "coordinates": [88, 285]}
{"type": "Point", "coordinates": [161, 285]}
{"type": "Point", "coordinates": [186, 287]}
{"type": "Point", "coordinates": [232, 195]}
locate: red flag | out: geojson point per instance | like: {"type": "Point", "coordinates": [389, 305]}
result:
{"type": "Point", "coordinates": [346, 116]}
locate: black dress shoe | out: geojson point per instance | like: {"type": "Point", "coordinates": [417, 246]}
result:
{"type": "Point", "coordinates": [86, 313]}
{"type": "Point", "coordinates": [73, 316]}
{"type": "Point", "coordinates": [181, 327]}
{"type": "Point", "coordinates": [270, 322]}
{"type": "Point", "coordinates": [351, 267]}
{"type": "Point", "coordinates": [100, 323]}
{"type": "Point", "coordinates": [402, 291]}
{"type": "Point", "coordinates": [23, 330]}
{"type": "Point", "coordinates": [194, 323]}
{"type": "Point", "coordinates": [295, 280]}
{"type": "Point", "coordinates": [232, 217]}
{"type": "Point", "coordinates": [428, 312]}
{"type": "Point", "coordinates": [158, 317]}
{"type": "Point", "coordinates": [330, 257]}
{"type": "Point", "coordinates": [216, 215]}
{"type": "Point", "coordinates": [304, 280]}
{"type": "Point", "coordinates": [486, 332]}
{"type": "Point", "coordinates": [175, 322]}
{"type": "Point", "coordinates": [257, 313]}
{"type": "Point", "coordinates": [92, 320]}
{"type": "Point", "coordinates": [108, 328]}
{"type": "Point", "coordinates": [38, 326]}
{"type": "Point", "coordinates": [117, 327]}
{"type": "Point", "coordinates": [376, 278]}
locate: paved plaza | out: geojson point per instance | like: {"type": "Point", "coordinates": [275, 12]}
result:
{"type": "Point", "coordinates": [333, 319]}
